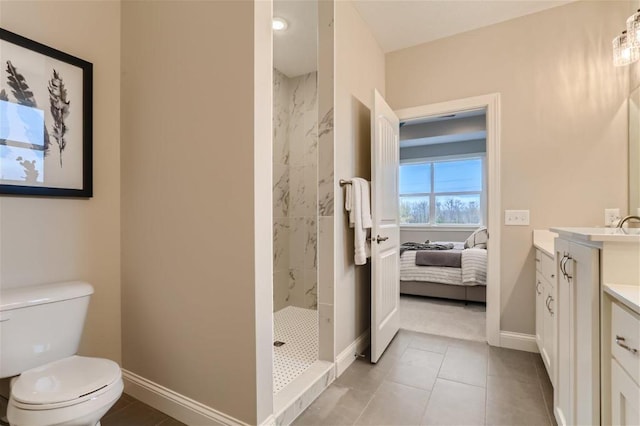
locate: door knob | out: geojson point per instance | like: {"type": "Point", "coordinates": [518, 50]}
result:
{"type": "Point", "coordinates": [380, 239]}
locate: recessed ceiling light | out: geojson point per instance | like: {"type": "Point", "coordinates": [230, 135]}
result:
{"type": "Point", "coordinates": [279, 24]}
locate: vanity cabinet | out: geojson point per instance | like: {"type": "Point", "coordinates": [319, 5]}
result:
{"type": "Point", "coordinates": [625, 366]}
{"type": "Point", "coordinates": [625, 397]}
{"type": "Point", "coordinates": [596, 379]}
{"type": "Point", "coordinates": [545, 310]}
{"type": "Point", "coordinates": [577, 390]}
{"type": "Point", "coordinates": [621, 346]}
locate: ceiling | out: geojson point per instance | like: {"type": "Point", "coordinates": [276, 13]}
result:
{"type": "Point", "coordinates": [397, 24]}
{"type": "Point", "coordinates": [295, 49]}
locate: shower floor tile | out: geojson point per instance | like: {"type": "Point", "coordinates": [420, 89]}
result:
{"type": "Point", "coordinates": [298, 329]}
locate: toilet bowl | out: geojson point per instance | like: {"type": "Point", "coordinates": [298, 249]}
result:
{"type": "Point", "coordinates": [40, 329]}
{"type": "Point", "coordinates": [74, 391]}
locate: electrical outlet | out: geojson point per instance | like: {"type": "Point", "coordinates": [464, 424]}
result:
{"type": "Point", "coordinates": [611, 217]}
{"type": "Point", "coordinates": [516, 217]}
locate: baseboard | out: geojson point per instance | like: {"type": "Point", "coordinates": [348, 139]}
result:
{"type": "Point", "coordinates": [174, 404]}
{"type": "Point", "coordinates": [347, 356]}
{"type": "Point", "coordinates": [519, 341]}
{"type": "Point", "coordinates": [269, 421]}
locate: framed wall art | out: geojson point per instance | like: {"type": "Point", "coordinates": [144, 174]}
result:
{"type": "Point", "coordinates": [46, 108]}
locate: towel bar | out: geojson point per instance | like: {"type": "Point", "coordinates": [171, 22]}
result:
{"type": "Point", "coordinates": [344, 182]}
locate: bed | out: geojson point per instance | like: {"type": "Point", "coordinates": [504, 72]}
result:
{"type": "Point", "coordinates": [467, 282]}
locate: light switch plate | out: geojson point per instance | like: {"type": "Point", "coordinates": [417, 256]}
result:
{"type": "Point", "coordinates": [611, 217]}
{"type": "Point", "coordinates": [516, 217]}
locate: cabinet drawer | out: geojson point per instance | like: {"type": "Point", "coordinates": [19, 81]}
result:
{"type": "Point", "coordinates": [538, 260]}
{"type": "Point", "coordinates": [548, 268]}
{"type": "Point", "coordinates": [625, 340]}
{"type": "Point", "coordinates": [625, 397]}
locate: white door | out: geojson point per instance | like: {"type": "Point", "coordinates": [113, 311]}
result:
{"type": "Point", "coordinates": [385, 232]}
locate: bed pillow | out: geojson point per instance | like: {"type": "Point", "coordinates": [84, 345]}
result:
{"type": "Point", "coordinates": [478, 239]}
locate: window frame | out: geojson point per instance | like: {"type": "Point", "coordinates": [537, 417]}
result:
{"type": "Point", "coordinates": [432, 195]}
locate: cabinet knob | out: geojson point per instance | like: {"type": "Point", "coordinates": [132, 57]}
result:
{"type": "Point", "coordinates": [563, 267]}
{"type": "Point", "coordinates": [620, 341]}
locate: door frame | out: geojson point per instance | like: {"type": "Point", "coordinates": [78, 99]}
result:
{"type": "Point", "coordinates": [491, 102]}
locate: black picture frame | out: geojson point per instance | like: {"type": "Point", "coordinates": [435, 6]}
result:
{"type": "Point", "coordinates": [51, 108]}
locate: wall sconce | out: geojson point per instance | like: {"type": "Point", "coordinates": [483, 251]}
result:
{"type": "Point", "coordinates": [626, 47]}
{"type": "Point", "coordinates": [624, 52]}
{"type": "Point", "coordinates": [633, 28]}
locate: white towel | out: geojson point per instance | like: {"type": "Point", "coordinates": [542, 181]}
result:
{"type": "Point", "coordinates": [348, 203]}
{"type": "Point", "coordinates": [359, 207]}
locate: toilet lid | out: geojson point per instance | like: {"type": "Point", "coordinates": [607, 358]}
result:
{"type": "Point", "coordinates": [64, 380]}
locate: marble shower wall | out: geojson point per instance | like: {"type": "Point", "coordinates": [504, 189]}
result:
{"type": "Point", "coordinates": [326, 181]}
{"type": "Point", "coordinates": [295, 191]}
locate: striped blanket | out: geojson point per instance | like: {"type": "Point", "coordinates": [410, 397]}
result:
{"type": "Point", "coordinates": [473, 271]}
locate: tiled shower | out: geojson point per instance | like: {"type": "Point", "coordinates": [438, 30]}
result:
{"type": "Point", "coordinates": [295, 165]}
{"type": "Point", "coordinates": [303, 213]}
{"type": "Point", "coordinates": [295, 225]}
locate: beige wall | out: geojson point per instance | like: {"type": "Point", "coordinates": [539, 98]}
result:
{"type": "Point", "coordinates": [564, 121]}
{"type": "Point", "coordinates": [46, 239]}
{"type": "Point", "coordinates": [359, 68]}
{"type": "Point", "coordinates": [189, 288]}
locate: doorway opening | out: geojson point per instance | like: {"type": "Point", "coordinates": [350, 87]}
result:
{"type": "Point", "coordinates": [449, 206]}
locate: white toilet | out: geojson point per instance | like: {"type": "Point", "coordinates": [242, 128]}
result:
{"type": "Point", "coordinates": [40, 329]}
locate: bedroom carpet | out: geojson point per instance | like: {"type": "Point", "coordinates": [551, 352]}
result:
{"type": "Point", "coordinates": [443, 317]}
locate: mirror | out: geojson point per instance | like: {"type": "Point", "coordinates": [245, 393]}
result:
{"type": "Point", "coordinates": [634, 152]}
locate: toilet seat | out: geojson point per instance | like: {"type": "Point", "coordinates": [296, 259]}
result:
{"type": "Point", "coordinates": [65, 382]}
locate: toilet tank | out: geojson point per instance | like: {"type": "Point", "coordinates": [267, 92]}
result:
{"type": "Point", "coordinates": [40, 324]}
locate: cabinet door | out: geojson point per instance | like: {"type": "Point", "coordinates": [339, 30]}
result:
{"type": "Point", "coordinates": [562, 394]}
{"type": "Point", "coordinates": [577, 397]}
{"type": "Point", "coordinates": [625, 397]}
{"type": "Point", "coordinates": [549, 325]}
{"type": "Point", "coordinates": [585, 329]}
{"type": "Point", "coordinates": [540, 308]}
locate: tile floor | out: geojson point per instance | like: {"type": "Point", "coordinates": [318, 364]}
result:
{"type": "Point", "coordinates": [421, 379]}
{"type": "Point", "coordinates": [432, 380]}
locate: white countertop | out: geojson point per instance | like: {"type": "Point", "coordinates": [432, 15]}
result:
{"type": "Point", "coordinates": [544, 240]}
{"type": "Point", "coordinates": [622, 235]}
{"type": "Point", "coordinates": [628, 295]}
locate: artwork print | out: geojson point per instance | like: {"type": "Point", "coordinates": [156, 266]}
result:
{"type": "Point", "coordinates": [45, 120]}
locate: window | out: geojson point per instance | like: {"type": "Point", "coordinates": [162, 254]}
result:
{"type": "Point", "coordinates": [442, 192]}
